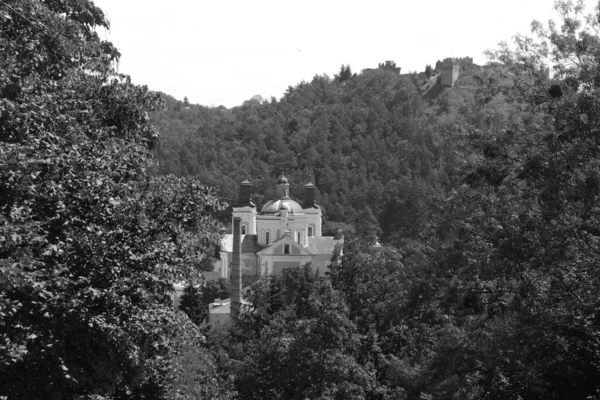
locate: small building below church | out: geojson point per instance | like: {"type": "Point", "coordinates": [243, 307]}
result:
{"type": "Point", "coordinates": [219, 312]}
{"type": "Point", "coordinates": [283, 234]}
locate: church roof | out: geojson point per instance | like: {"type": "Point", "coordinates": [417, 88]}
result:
{"type": "Point", "coordinates": [299, 249]}
{"type": "Point", "coordinates": [224, 306]}
{"type": "Point", "coordinates": [249, 243]}
{"type": "Point", "coordinates": [323, 244]}
{"type": "Point", "coordinates": [220, 307]}
{"type": "Point", "coordinates": [274, 207]}
{"type": "Point", "coordinates": [316, 245]}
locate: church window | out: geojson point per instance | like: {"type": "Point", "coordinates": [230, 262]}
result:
{"type": "Point", "coordinates": [267, 237]}
{"type": "Point", "coordinates": [286, 249]}
{"type": "Point", "coordinates": [310, 231]}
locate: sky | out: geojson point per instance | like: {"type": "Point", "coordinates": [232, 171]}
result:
{"type": "Point", "coordinates": [223, 52]}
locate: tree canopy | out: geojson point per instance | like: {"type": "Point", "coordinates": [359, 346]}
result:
{"type": "Point", "coordinates": [487, 288]}
{"type": "Point", "coordinates": [90, 244]}
{"type": "Point", "coordinates": [485, 198]}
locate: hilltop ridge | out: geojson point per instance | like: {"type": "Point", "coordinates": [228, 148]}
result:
{"type": "Point", "coordinates": [379, 133]}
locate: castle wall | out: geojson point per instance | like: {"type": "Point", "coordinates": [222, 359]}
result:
{"type": "Point", "coordinates": [449, 73]}
{"type": "Point", "coordinates": [448, 62]}
{"type": "Point", "coordinates": [447, 77]}
{"type": "Point", "coordinates": [455, 73]}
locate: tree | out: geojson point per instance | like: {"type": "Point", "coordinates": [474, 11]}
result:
{"type": "Point", "coordinates": [428, 71]}
{"type": "Point", "coordinates": [367, 226]}
{"type": "Point", "coordinates": [89, 242]}
{"type": "Point", "coordinates": [344, 74]}
{"type": "Point", "coordinates": [196, 299]}
{"type": "Point", "coordinates": [219, 289]}
{"type": "Point", "coordinates": [191, 304]}
{"type": "Point", "coordinates": [391, 299]}
{"type": "Point", "coordinates": [296, 342]}
{"type": "Point", "coordinates": [520, 268]}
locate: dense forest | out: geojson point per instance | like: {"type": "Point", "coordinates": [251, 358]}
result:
{"type": "Point", "coordinates": [365, 141]}
{"type": "Point", "coordinates": [484, 197]}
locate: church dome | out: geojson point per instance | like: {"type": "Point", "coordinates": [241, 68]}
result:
{"type": "Point", "coordinates": [274, 207]}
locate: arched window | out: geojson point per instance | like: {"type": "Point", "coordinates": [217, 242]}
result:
{"type": "Point", "coordinates": [267, 237]}
{"type": "Point", "coordinates": [243, 229]}
{"type": "Point", "coordinates": [310, 231]}
{"type": "Point", "coordinates": [298, 236]}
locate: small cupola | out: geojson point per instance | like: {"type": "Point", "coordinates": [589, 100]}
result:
{"type": "Point", "coordinates": [245, 193]}
{"type": "Point", "coordinates": [309, 196]}
{"type": "Point", "coordinates": [283, 187]}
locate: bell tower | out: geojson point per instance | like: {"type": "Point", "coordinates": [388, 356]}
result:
{"type": "Point", "coordinates": [245, 209]}
{"type": "Point", "coordinates": [312, 211]}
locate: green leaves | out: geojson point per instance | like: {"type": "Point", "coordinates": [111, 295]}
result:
{"type": "Point", "coordinates": [89, 243]}
{"type": "Point", "coordinates": [517, 275]}
{"type": "Point", "coordinates": [296, 341]}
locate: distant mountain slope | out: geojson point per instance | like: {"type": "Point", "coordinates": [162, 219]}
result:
{"type": "Point", "coordinates": [365, 140]}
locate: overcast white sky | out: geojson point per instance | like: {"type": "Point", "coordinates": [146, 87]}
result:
{"type": "Point", "coordinates": [223, 52]}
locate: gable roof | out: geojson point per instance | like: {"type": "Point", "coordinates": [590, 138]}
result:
{"type": "Point", "coordinates": [286, 239]}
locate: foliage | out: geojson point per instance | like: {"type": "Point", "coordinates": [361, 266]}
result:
{"type": "Point", "coordinates": [391, 296]}
{"type": "Point", "coordinates": [295, 342]}
{"type": "Point", "coordinates": [520, 270]}
{"type": "Point", "coordinates": [89, 242]}
{"type": "Point", "coordinates": [344, 74]}
{"type": "Point", "coordinates": [219, 289]}
{"type": "Point", "coordinates": [191, 304]}
{"type": "Point", "coordinates": [486, 202]}
{"type": "Point", "coordinates": [196, 299]}
{"type": "Point", "coordinates": [428, 71]}
{"type": "Point", "coordinates": [490, 289]}
{"type": "Point", "coordinates": [367, 226]}
{"type": "Point", "coordinates": [198, 377]}
{"type": "Point", "coordinates": [356, 137]}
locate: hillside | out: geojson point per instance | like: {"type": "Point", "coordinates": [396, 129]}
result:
{"type": "Point", "coordinates": [484, 195]}
{"type": "Point", "coordinates": [366, 140]}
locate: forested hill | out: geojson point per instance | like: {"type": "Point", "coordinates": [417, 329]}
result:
{"type": "Point", "coordinates": [365, 140]}
{"type": "Point", "coordinates": [485, 286]}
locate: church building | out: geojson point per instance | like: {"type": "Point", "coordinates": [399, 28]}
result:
{"type": "Point", "coordinates": [283, 234]}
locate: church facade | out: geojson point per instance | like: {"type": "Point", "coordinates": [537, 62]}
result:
{"type": "Point", "coordinates": [283, 234]}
